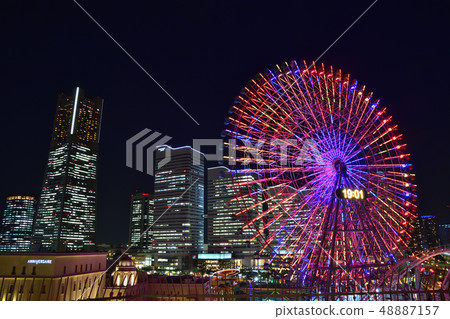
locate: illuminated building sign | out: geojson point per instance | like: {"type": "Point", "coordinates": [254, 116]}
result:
{"type": "Point", "coordinates": [214, 256]}
{"type": "Point", "coordinates": [350, 193]}
{"type": "Point", "coordinates": [39, 261]}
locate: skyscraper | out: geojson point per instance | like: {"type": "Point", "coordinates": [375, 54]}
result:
{"type": "Point", "coordinates": [141, 218]}
{"type": "Point", "coordinates": [425, 234]}
{"type": "Point", "coordinates": [67, 207]}
{"type": "Point", "coordinates": [444, 234]}
{"type": "Point", "coordinates": [430, 231]}
{"type": "Point", "coordinates": [178, 232]}
{"type": "Point", "coordinates": [226, 231]}
{"type": "Point", "coordinates": [17, 223]}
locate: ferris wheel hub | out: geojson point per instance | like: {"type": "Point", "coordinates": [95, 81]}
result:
{"type": "Point", "coordinates": [340, 166]}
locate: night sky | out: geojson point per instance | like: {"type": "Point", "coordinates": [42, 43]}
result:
{"type": "Point", "coordinates": [203, 52]}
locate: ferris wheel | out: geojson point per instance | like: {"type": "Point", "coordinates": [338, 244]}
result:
{"type": "Point", "coordinates": [334, 204]}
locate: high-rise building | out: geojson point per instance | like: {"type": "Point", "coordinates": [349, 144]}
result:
{"type": "Point", "coordinates": [178, 234]}
{"type": "Point", "coordinates": [141, 218]}
{"type": "Point", "coordinates": [67, 207]}
{"type": "Point", "coordinates": [444, 234]}
{"type": "Point", "coordinates": [425, 234]}
{"type": "Point", "coordinates": [226, 231]}
{"type": "Point", "coordinates": [17, 224]}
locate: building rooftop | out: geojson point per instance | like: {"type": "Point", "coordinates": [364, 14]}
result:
{"type": "Point", "coordinates": [52, 253]}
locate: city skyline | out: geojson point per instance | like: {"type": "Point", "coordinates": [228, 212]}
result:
{"type": "Point", "coordinates": [226, 151]}
{"type": "Point", "coordinates": [140, 104]}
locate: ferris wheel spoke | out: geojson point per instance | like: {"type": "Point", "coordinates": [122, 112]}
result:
{"type": "Point", "coordinates": [288, 105]}
{"type": "Point", "coordinates": [375, 140]}
{"type": "Point", "coordinates": [264, 213]}
{"type": "Point", "coordinates": [359, 173]}
{"type": "Point", "coordinates": [383, 190]}
{"type": "Point", "coordinates": [362, 112]}
{"type": "Point", "coordinates": [298, 224]}
{"type": "Point", "coordinates": [389, 212]}
{"type": "Point", "coordinates": [318, 209]}
{"type": "Point", "coordinates": [388, 232]}
{"type": "Point", "coordinates": [245, 196]}
{"type": "Point", "coordinates": [275, 233]}
{"type": "Point", "coordinates": [373, 131]}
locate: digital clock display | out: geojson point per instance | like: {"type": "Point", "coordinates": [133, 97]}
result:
{"type": "Point", "coordinates": [351, 193]}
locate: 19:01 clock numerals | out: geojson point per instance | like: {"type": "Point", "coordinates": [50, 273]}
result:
{"type": "Point", "coordinates": [351, 193]}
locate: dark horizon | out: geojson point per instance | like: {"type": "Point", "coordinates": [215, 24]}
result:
{"type": "Point", "coordinates": [203, 53]}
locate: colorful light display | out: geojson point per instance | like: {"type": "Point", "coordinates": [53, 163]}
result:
{"type": "Point", "coordinates": [330, 134]}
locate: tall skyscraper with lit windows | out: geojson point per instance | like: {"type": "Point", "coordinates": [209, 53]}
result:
{"type": "Point", "coordinates": [444, 234]}
{"type": "Point", "coordinates": [426, 234]}
{"type": "Point", "coordinates": [66, 218]}
{"type": "Point", "coordinates": [226, 231]}
{"type": "Point", "coordinates": [178, 234]}
{"type": "Point", "coordinates": [17, 223]}
{"type": "Point", "coordinates": [141, 218]}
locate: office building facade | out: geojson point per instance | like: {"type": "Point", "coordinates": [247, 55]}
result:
{"type": "Point", "coordinates": [66, 218]}
{"type": "Point", "coordinates": [426, 234]}
{"type": "Point", "coordinates": [178, 234]}
{"type": "Point", "coordinates": [17, 224]}
{"type": "Point", "coordinates": [444, 234]}
{"type": "Point", "coordinates": [141, 218]}
{"type": "Point", "coordinates": [226, 228]}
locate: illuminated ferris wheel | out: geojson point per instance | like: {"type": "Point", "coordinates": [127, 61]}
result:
{"type": "Point", "coordinates": [335, 202]}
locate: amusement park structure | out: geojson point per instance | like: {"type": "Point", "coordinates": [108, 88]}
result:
{"type": "Point", "coordinates": [344, 201]}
